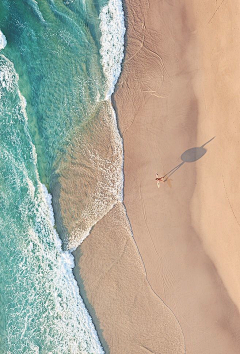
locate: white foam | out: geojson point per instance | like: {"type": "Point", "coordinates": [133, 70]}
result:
{"type": "Point", "coordinates": [3, 40]}
{"type": "Point", "coordinates": [73, 324]}
{"type": "Point", "coordinates": [48, 200]}
{"type": "Point", "coordinates": [112, 42]}
{"type": "Point", "coordinates": [66, 264]}
{"type": "Point", "coordinates": [7, 76]}
{"type": "Point", "coordinates": [30, 186]}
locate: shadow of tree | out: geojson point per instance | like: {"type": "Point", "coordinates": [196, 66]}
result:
{"type": "Point", "coordinates": [190, 155]}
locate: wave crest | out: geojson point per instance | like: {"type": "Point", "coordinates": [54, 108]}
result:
{"type": "Point", "coordinates": [112, 42]}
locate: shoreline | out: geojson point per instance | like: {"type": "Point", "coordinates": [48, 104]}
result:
{"type": "Point", "coordinates": [125, 309]}
{"type": "Point", "coordinates": [175, 344]}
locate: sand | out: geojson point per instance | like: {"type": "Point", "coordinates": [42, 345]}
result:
{"type": "Point", "coordinates": [127, 314]}
{"type": "Point", "coordinates": [178, 89]}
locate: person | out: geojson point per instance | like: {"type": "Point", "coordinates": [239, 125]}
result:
{"type": "Point", "coordinates": [159, 179]}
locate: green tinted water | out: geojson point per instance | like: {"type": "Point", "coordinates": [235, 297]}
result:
{"type": "Point", "coordinates": [52, 58]}
{"type": "Point", "coordinates": [55, 50]}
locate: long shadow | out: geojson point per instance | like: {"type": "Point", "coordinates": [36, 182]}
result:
{"type": "Point", "coordinates": [190, 155]}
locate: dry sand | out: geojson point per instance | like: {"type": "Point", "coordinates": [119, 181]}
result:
{"type": "Point", "coordinates": [179, 88]}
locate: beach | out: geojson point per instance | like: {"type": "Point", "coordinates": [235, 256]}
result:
{"type": "Point", "coordinates": [178, 90]}
{"type": "Point", "coordinates": [128, 316]}
{"type": "Point", "coordinates": [98, 255]}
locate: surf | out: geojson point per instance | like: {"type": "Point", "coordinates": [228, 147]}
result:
{"type": "Point", "coordinates": [41, 309]}
{"type": "Point", "coordinates": [56, 79]}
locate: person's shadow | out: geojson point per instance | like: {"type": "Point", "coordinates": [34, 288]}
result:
{"type": "Point", "coordinates": [190, 155]}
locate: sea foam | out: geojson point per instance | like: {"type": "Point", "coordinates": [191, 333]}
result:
{"type": "Point", "coordinates": [112, 42]}
{"type": "Point", "coordinates": [66, 264]}
{"type": "Point", "coordinates": [3, 40]}
{"type": "Point", "coordinates": [42, 307]}
{"type": "Point", "coordinates": [108, 190]}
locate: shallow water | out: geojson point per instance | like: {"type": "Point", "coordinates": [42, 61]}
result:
{"type": "Point", "coordinates": [55, 71]}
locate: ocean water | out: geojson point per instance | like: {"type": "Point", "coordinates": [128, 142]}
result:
{"type": "Point", "coordinates": [59, 61]}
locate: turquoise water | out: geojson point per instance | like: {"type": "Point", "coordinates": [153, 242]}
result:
{"type": "Point", "coordinates": [62, 59]}
{"type": "Point", "coordinates": [55, 50]}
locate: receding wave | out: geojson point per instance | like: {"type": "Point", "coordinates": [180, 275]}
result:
{"type": "Point", "coordinates": [90, 181]}
{"type": "Point", "coordinates": [91, 178]}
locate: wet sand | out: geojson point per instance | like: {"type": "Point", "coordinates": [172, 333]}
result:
{"type": "Point", "coordinates": [178, 89]}
{"type": "Point", "coordinates": [127, 314]}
